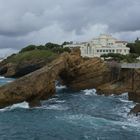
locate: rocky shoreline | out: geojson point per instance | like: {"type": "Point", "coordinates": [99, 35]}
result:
{"type": "Point", "coordinates": [73, 71]}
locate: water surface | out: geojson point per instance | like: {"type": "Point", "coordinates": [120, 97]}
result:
{"type": "Point", "coordinates": [69, 115]}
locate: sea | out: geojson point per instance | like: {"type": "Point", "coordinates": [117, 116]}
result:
{"type": "Point", "coordinates": [71, 115]}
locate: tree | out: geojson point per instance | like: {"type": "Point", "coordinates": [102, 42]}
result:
{"type": "Point", "coordinates": [134, 47]}
{"type": "Point", "coordinates": [28, 48]}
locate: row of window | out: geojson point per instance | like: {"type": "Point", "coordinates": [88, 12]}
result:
{"type": "Point", "coordinates": [112, 51]}
{"type": "Point", "coordinates": [110, 43]}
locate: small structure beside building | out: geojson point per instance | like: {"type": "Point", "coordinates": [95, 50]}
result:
{"type": "Point", "coordinates": [104, 44]}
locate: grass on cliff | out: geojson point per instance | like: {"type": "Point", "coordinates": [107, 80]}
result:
{"type": "Point", "coordinates": [31, 55]}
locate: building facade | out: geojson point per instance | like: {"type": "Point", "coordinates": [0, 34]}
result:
{"type": "Point", "coordinates": [104, 44]}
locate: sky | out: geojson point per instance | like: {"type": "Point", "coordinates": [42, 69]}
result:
{"type": "Point", "coordinates": [24, 22]}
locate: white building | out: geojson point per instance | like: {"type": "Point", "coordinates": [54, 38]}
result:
{"type": "Point", "coordinates": [104, 44]}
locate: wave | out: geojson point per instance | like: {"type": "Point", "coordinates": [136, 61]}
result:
{"type": "Point", "coordinates": [55, 107]}
{"type": "Point", "coordinates": [55, 100]}
{"type": "Point", "coordinates": [1, 77]}
{"type": "Point", "coordinates": [124, 98]}
{"type": "Point", "coordinates": [89, 92]}
{"type": "Point", "coordinates": [24, 105]}
{"type": "Point", "coordinates": [60, 87]}
{"type": "Point", "coordinates": [9, 81]}
{"type": "Point", "coordinates": [90, 121]}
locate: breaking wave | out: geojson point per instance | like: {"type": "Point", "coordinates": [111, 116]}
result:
{"type": "Point", "coordinates": [89, 92]}
{"type": "Point", "coordinates": [1, 77]}
{"type": "Point", "coordinates": [24, 105]}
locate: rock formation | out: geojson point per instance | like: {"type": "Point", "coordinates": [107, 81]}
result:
{"type": "Point", "coordinates": [135, 110]}
{"type": "Point", "coordinates": [123, 84]}
{"type": "Point", "coordinates": [71, 69]}
{"type": "Point", "coordinates": [21, 68]}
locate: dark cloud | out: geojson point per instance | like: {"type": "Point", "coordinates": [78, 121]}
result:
{"type": "Point", "coordinates": [25, 22]}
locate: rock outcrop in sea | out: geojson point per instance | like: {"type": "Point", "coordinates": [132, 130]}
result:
{"type": "Point", "coordinates": [71, 70]}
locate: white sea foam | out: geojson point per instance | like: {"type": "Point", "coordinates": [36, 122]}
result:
{"type": "Point", "coordinates": [52, 99]}
{"type": "Point", "coordinates": [55, 100]}
{"type": "Point", "coordinates": [124, 96]}
{"type": "Point", "coordinates": [131, 122]}
{"type": "Point", "coordinates": [125, 101]}
{"type": "Point", "coordinates": [14, 106]}
{"type": "Point", "coordinates": [60, 87]}
{"type": "Point", "coordinates": [20, 105]}
{"type": "Point", "coordinates": [89, 92]}
{"type": "Point", "coordinates": [1, 77]}
{"type": "Point", "coordinates": [9, 81]}
{"type": "Point", "coordinates": [55, 107]}
{"type": "Point", "coordinates": [60, 101]}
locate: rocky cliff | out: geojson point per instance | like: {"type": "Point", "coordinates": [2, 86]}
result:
{"type": "Point", "coordinates": [72, 70]}
{"type": "Point", "coordinates": [20, 64]}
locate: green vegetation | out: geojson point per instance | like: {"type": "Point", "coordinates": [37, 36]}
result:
{"type": "Point", "coordinates": [130, 58]}
{"type": "Point", "coordinates": [49, 46]}
{"type": "Point", "coordinates": [45, 52]}
{"type": "Point", "coordinates": [30, 55]}
{"type": "Point", "coordinates": [134, 47]}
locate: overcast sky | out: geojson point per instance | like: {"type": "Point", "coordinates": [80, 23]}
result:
{"type": "Point", "coordinates": [24, 22]}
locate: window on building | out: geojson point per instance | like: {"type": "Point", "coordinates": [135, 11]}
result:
{"type": "Point", "coordinates": [97, 50]}
{"type": "Point", "coordinates": [100, 50]}
{"type": "Point", "coordinates": [103, 50]}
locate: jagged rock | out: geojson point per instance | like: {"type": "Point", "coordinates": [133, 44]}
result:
{"type": "Point", "coordinates": [135, 110]}
{"type": "Point", "coordinates": [122, 84]}
{"type": "Point", "coordinates": [19, 69]}
{"type": "Point", "coordinates": [73, 70]}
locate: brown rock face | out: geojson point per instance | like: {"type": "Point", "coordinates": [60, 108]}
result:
{"type": "Point", "coordinates": [87, 74]}
{"type": "Point", "coordinates": [33, 87]}
{"type": "Point", "coordinates": [123, 83]}
{"type": "Point", "coordinates": [22, 68]}
{"type": "Point", "coordinates": [74, 71]}
{"type": "Point", "coordinates": [135, 110]}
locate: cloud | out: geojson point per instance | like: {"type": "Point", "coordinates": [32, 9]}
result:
{"type": "Point", "coordinates": [6, 52]}
{"type": "Point", "coordinates": [26, 22]}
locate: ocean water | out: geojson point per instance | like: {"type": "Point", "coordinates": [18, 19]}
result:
{"type": "Point", "coordinates": [70, 115]}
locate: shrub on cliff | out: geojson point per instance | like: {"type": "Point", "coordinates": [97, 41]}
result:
{"type": "Point", "coordinates": [56, 48]}
{"type": "Point", "coordinates": [30, 55]}
{"type": "Point", "coordinates": [28, 48]}
{"type": "Point", "coordinates": [134, 47]}
{"type": "Point", "coordinates": [130, 58]}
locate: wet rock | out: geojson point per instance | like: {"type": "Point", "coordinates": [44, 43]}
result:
{"type": "Point", "coordinates": [135, 110]}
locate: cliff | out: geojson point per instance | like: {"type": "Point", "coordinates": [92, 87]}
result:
{"type": "Point", "coordinates": [72, 70]}
{"type": "Point", "coordinates": [20, 64]}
